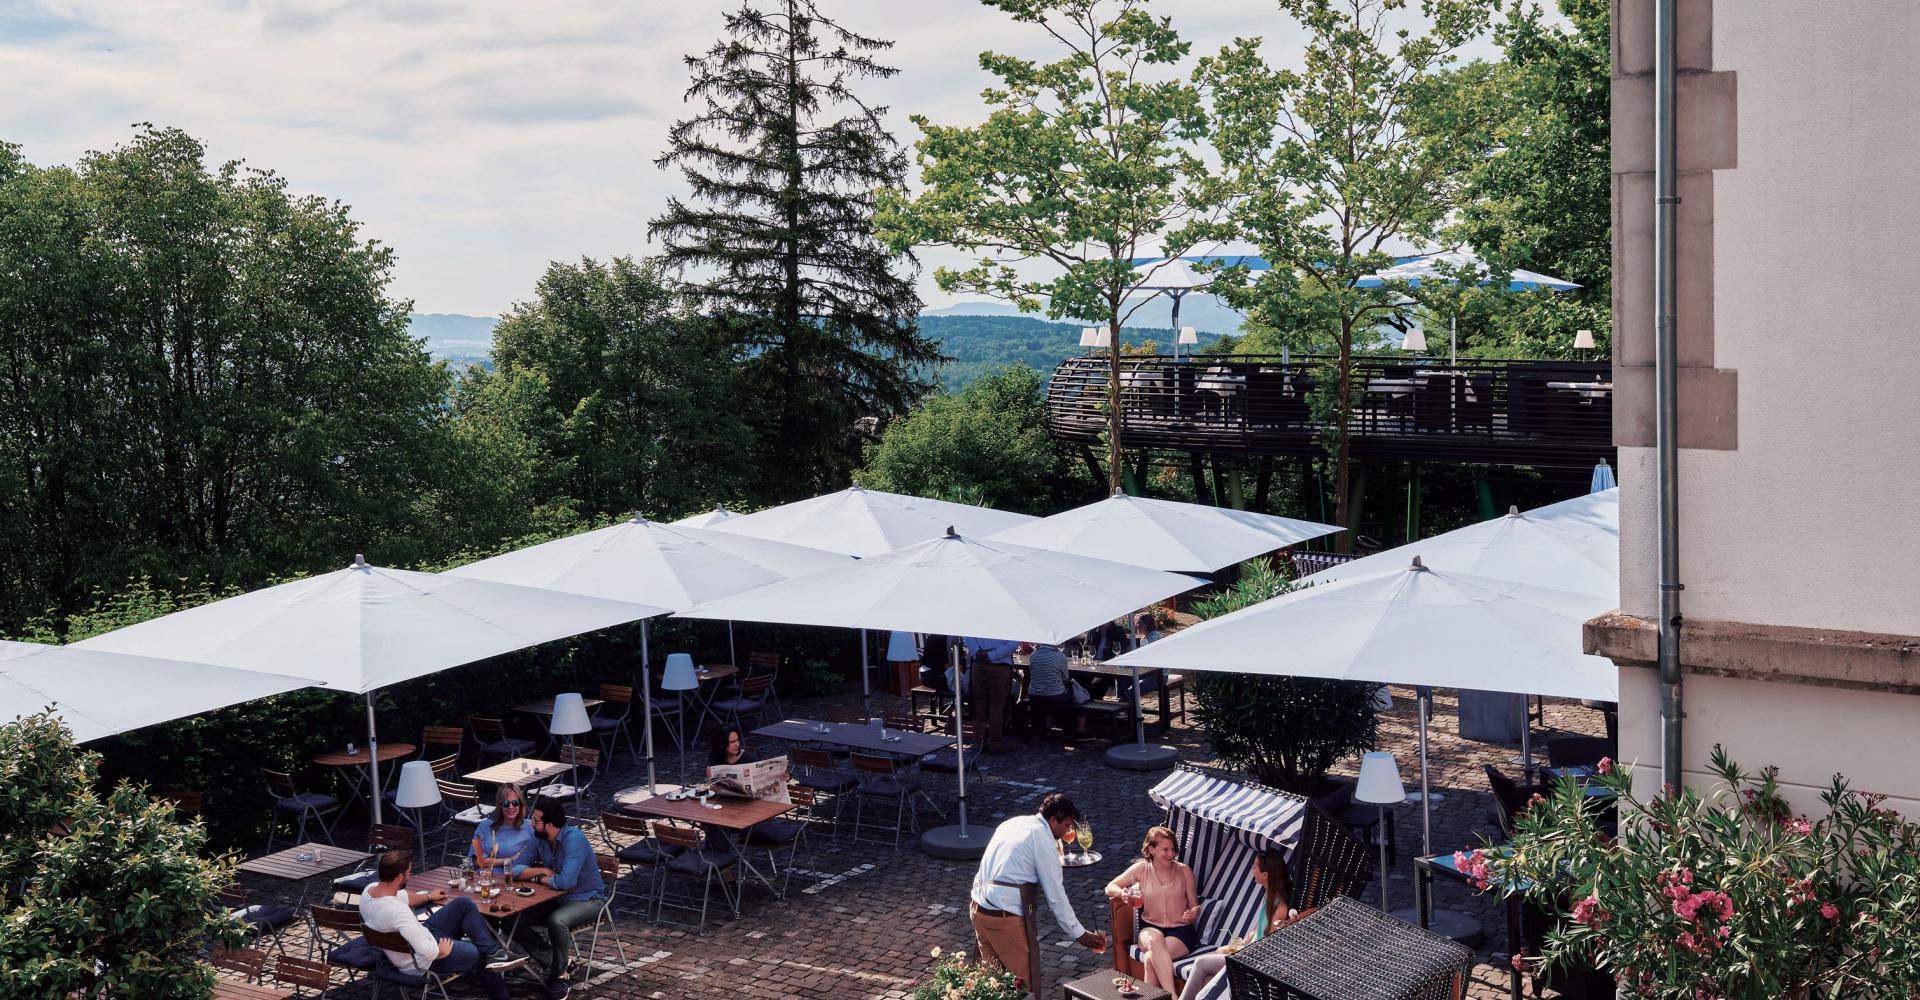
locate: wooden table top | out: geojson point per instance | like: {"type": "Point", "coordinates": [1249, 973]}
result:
{"type": "Point", "coordinates": [227, 989]}
{"type": "Point", "coordinates": [1099, 986]}
{"type": "Point", "coordinates": [287, 865]}
{"type": "Point", "coordinates": [857, 736]}
{"type": "Point", "coordinates": [1106, 669]}
{"type": "Point", "coordinates": [510, 773]}
{"type": "Point", "coordinates": [358, 758]}
{"type": "Point", "coordinates": [733, 814]}
{"type": "Point", "coordinates": [545, 706]}
{"type": "Point", "coordinates": [715, 671]}
{"type": "Point", "coordinates": [504, 906]}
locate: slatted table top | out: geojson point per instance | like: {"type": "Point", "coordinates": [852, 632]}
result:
{"type": "Point", "coordinates": [512, 773]}
{"type": "Point", "coordinates": [358, 758]}
{"type": "Point", "coordinates": [503, 907]}
{"type": "Point", "coordinates": [733, 814]}
{"type": "Point", "coordinates": [859, 737]}
{"type": "Point", "coordinates": [287, 864]}
{"type": "Point", "coordinates": [227, 989]}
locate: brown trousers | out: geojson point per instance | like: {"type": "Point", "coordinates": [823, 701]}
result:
{"type": "Point", "coordinates": [992, 687]}
{"type": "Point", "coordinates": [1002, 940]}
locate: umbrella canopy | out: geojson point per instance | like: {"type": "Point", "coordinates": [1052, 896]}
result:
{"type": "Point", "coordinates": [706, 518]}
{"type": "Point", "coordinates": [1415, 271]}
{"type": "Point", "coordinates": [958, 585]}
{"type": "Point", "coordinates": [362, 628]}
{"type": "Point", "coordinates": [1573, 545]}
{"type": "Point", "coordinates": [644, 562]}
{"type": "Point", "coordinates": [98, 693]}
{"type": "Point", "coordinates": [1163, 534]}
{"type": "Point", "coordinates": [1176, 275]}
{"type": "Point", "coordinates": [1416, 625]}
{"type": "Point", "coordinates": [861, 522]}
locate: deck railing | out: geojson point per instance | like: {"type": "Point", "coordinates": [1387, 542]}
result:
{"type": "Point", "coordinates": [1540, 413]}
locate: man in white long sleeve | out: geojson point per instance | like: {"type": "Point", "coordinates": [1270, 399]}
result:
{"type": "Point", "coordinates": [436, 944]}
{"type": "Point", "coordinates": [1022, 862]}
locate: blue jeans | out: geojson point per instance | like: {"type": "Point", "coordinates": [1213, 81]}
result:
{"type": "Point", "coordinates": [557, 929]}
{"type": "Point", "coordinates": [460, 918]}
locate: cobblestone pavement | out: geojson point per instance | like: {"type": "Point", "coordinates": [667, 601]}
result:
{"type": "Point", "coordinates": [860, 920]}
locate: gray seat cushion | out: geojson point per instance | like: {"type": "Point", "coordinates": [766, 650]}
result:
{"type": "Point", "coordinates": [355, 954]}
{"type": "Point", "coordinates": [302, 801]}
{"type": "Point", "coordinates": [695, 862]}
{"type": "Point", "coordinates": [355, 883]}
{"type": "Point", "coordinates": [826, 781]}
{"type": "Point", "coordinates": [773, 833]}
{"type": "Point", "coordinates": [645, 852]}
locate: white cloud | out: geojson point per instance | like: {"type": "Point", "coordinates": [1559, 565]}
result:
{"type": "Point", "coordinates": [479, 140]}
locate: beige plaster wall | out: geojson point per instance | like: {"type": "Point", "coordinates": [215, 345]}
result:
{"type": "Point", "coordinates": [1814, 519]}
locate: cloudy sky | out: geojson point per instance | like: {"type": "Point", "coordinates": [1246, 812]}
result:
{"type": "Point", "coordinates": [480, 140]}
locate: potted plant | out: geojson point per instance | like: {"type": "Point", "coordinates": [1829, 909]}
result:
{"type": "Point", "coordinates": [957, 979]}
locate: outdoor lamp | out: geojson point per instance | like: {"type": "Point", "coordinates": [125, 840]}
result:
{"type": "Point", "coordinates": [1380, 785]}
{"type": "Point", "coordinates": [681, 676]}
{"type": "Point", "coordinates": [418, 789]}
{"type": "Point", "coordinates": [1189, 335]}
{"type": "Point", "coordinates": [1087, 335]}
{"type": "Point", "coordinates": [1102, 337]}
{"type": "Point", "coordinates": [1583, 340]}
{"type": "Point", "coordinates": [569, 715]}
{"type": "Point", "coordinates": [901, 648]}
{"type": "Point", "coordinates": [1415, 341]}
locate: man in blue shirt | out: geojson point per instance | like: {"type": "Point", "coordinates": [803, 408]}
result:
{"type": "Point", "coordinates": [992, 688]}
{"type": "Point", "coordinates": [564, 860]}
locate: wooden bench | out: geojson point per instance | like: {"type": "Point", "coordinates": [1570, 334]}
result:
{"type": "Point", "coordinates": [1116, 717]}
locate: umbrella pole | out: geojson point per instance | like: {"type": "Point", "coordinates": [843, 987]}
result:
{"type": "Point", "coordinates": [646, 700]}
{"type": "Point", "coordinates": [1426, 790]}
{"type": "Point", "coordinates": [1526, 741]}
{"type": "Point", "coordinates": [373, 760]}
{"type": "Point", "coordinates": [959, 734]}
{"type": "Point", "coordinates": [1139, 721]}
{"type": "Point", "coordinates": [732, 657]}
{"type": "Point", "coordinates": [866, 689]}
{"type": "Point", "coordinates": [1453, 342]}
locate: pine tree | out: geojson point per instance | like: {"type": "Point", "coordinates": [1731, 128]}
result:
{"type": "Point", "coordinates": [776, 240]}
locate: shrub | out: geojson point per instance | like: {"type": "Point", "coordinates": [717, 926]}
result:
{"type": "Point", "coordinates": [101, 894]}
{"type": "Point", "coordinates": [1727, 895]}
{"type": "Point", "coordinates": [1287, 731]}
{"type": "Point", "coordinates": [955, 979]}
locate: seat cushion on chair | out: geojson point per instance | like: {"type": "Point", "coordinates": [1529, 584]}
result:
{"type": "Point", "coordinates": [890, 787]}
{"type": "Point", "coordinates": [356, 883]}
{"type": "Point", "coordinates": [303, 801]}
{"type": "Point", "coordinates": [472, 816]}
{"type": "Point", "coordinates": [607, 725]}
{"type": "Point", "coordinates": [355, 954]}
{"type": "Point", "coordinates": [645, 853]}
{"type": "Point", "coordinates": [695, 862]}
{"type": "Point", "coordinates": [261, 917]}
{"type": "Point", "coordinates": [737, 705]}
{"type": "Point", "coordinates": [507, 747]}
{"type": "Point", "coordinates": [773, 833]}
{"type": "Point", "coordinates": [385, 972]}
{"type": "Point", "coordinates": [826, 781]}
{"type": "Point", "coordinates": [947, 762]}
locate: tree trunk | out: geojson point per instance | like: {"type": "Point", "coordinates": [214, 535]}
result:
{"type": "Point", "coordinates": [1113, 402]}
{"type": "Point", "coordinates": [1342, 460]}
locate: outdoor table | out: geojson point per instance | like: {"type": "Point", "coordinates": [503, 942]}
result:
{"type": "Point", "coordinates": [1442, 865]}
{"type": "Point", "coordinates": [352, 766]}
{"type": "Point", "coordinates": [704, 695]}
{"type": "Point", "coordinates": [902, 742]}
{"type": "Point", "coordinates": [1591, 390]}
{"type": "Point", "coordinates": [522, 771]}
{"type": "Point", "coordinates": [227, 989]}
{"type": "Point", "coordinates": [1099, 986]}
{"type": "Point", "coordinates": [1097, 669]}
{"type": "Point", "coordinates": [286, 866]}
{"type": "Point", "coordinates": [505, 908]}
{"type": "Point", "coordinates": [545, 706]}
{"type": "Point", "coordinates": [733, 816]}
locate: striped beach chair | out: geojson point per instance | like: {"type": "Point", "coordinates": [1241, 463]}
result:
{"type": "Point", "coordinates": [1221, 821]}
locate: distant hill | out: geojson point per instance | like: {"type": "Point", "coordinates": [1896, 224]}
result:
{"type": "Point", "coordinates": [977, 341]}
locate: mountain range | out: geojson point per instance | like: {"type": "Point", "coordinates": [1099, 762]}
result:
{"type": "Point", "coordinates": [978, 336]}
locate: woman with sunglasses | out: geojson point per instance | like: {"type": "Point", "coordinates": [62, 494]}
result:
{"type": "Point", "coordinates": [505, 833]}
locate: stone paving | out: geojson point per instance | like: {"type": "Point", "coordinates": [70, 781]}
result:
{"type": "Point", "coordinates": [861, 921]}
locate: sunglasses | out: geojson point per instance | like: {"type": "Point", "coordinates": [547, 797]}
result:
{"type": "Point", "coordinates": [510, 804]}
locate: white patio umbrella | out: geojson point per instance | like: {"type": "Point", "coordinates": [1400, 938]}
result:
{"type": "Point", "coordinates": [861, 523]}
{"type": "Point", "coordinates": [706, 518]}
{"type": "Point", "coordinates": [97, 693]}
{"type": "Point", "coordinates": [1419, 270]}
{"type": "Point", "coordinates": [1419, 625]}
{"type": "Point", "coordinates": [362, 628]}
{"type": "Point", "coordinates": [1175, 278]}
{"type": "Point", "coordinates": [957, 585]}
{"type": "Point", "coordinates": [665, 566]}
{"type": "Point", "coordinates": [1167, 535]}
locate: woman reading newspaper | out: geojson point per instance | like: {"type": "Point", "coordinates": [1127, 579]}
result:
{"type": "Point", "coordinates": [728, 752]}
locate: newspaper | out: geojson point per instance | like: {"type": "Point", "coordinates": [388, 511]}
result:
{"type": "Point", "coordinates": [760, 779]}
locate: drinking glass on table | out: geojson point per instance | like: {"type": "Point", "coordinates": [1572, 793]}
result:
{"type": "Point", "coordinates": [1084, 834]}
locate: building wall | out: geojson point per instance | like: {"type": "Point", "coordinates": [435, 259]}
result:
{"type": "Point", "coordinates": [1800, 488]}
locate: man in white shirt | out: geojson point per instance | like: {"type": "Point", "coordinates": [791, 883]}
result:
{"type": "Point", "coordinates": [387, 906]}
{"type": "Point", "coordinates": [1022, 862]}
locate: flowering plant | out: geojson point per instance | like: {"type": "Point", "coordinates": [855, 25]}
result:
{"type": "Point", "coordinates": [1722, 896]}
{"type": "Point", "coordinates": [956, 979]}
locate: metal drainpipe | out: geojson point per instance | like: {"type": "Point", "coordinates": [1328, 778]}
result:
{"type": "Point", "coordinates": [1667, 471]}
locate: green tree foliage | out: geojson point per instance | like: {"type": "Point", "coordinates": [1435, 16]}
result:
{"type": "Point", "coordinates": [1542, 200]}
{"type": "Point", "coordinates": [778, 242]}
{"type": "Point", "coordinates": [987, 444]}
{"type": "Point", "coordinates": [203, 376]}
{"type": "Point", "coordinates": [1288, 731]}
{"type": "Point", "coordinates": [977, 346]}
{"type": "Point", "coordinates": [623, 398]}
{"type": "Point", "coordinates": [1335, 162]}
{"type": "Point", "coordinates": [1084, 164]}
{"type": "Point", "coordinates": [103, 895]}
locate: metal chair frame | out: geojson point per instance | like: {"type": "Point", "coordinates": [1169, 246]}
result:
{"type": "Point", "coordinates": [281, 786]}
{"type": "Point", "coordinates": [693, 840]}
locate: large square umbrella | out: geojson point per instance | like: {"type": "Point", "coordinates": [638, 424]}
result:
{"type": "Point", "coordinates": [362, 628]}
{"type": "Point", "coordinates": [662, 565]}
{"type": "Point", "coordinates": [97, 693]}
{"type": "Point", "coordinates": [1167, 535]}
{"type": "Point", "coordinates": [861, 522]}
{"type": "Point", "coordinates": [956, 585]}
{"type": "Point", "coordinates": [1447, 268]}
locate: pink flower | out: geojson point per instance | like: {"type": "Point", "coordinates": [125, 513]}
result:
{"type": "Point", "coordinates": [1800, 826]}
{"type": "Point", "coordinates": [1829, 911]}
{"type": "Point", "coordinates": [1605, 766]}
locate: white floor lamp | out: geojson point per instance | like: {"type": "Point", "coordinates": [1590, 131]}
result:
{"type": "Point", "coordinates": [682, 679]}
{"type": "Point", "coordinates": [1380, 785]}
{"type": "Point", "coordinates": [570, 720]}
